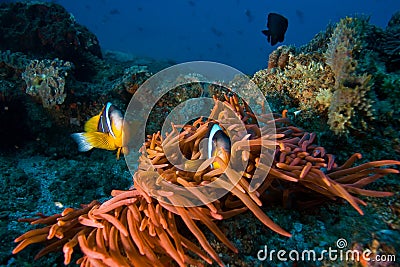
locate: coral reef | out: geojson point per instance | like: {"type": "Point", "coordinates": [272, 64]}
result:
{"type": "Point", "coordinates": [132, 228]}
{"type": "Point", "coordinates": [304, 82]}
{"type": "Point", "coordinates": [40, 171]}
{"type": "Point", "coordinates": [16, 60]}
{"type": "Point", "coordinates": [390, 43]}
{"type": "Point", "coordinates": [280, 57]}
{"type": "Point", "coordinates": [133, 77]}
{"type": "Point", "coordinates": [42, 32]}
{"type": "Point", "coordinates": [47, 30]}
{"type": "Point", "coordinates": [350, 92]}
{"type": "Point", "coordinates": [340, 83]}
{"type": "Point", "coordinates": [46, 80]}
{"type": "Point", "coordinates": [70, 101]}
{"type": "Point", "coordinates": [320, 41]}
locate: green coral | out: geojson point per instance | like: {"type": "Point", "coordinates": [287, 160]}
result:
{"type": "Point", "coordinates": [46, 79]}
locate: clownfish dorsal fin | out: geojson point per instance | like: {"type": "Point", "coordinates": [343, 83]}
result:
{"type": "Point", "coordinates": [91, 124]}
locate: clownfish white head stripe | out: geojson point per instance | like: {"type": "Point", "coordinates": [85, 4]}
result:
{"type": "Point", "coordinates": [219, 144]}
{"type": "Point", "coordinates": [110, 116]}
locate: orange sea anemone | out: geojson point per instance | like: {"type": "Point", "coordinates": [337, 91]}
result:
{"type": "Point", "coordinates": [139, 227]}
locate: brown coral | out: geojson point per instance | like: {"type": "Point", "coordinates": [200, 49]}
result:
{"type": "Point", "coordinates": [329, 84]}
{"type": "Point", "coordinates": [280, 57]}
{"type": "Point", "coordinates": [297, 83]}
{"type": "Point", "coordinates": [133, 229]}
{"type": "Point", "coordinates": [349, 98]}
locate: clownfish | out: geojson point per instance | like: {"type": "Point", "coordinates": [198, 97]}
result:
{"type": "Point", "coordinates": [219, 145]}
{"type": "Point", "coordinates": [102, 131]}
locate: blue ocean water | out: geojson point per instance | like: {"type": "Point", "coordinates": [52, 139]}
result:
{"type": "Point", "coordinates": [225, 31]}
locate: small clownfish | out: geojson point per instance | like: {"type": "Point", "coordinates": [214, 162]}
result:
{"type": "Point", "coordinates": [102, 131]}
{"type": "Point", "coordinates": [219, 145]}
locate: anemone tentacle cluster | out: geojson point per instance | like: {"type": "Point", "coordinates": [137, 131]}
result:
{"type": "Point", "coordinates": [134, 229]}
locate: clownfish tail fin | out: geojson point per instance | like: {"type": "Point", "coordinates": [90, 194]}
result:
{"type": "Point", "coordinates": [82, 141]}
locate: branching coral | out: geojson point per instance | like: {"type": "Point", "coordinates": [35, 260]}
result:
{"type": "Point", "coordinates": [134, 229]}
{"type": "Point", "coordinates": [46, 79]}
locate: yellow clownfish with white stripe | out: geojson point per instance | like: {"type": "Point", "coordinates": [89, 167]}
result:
{"type": "Point", "coordinates": [102, 131]}
{"type": "Point", "coordinates": [219, 145]}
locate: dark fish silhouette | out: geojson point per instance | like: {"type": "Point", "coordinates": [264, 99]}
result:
{"type": "Point", "coordinates": [216, 31]}
{"type": "Point", "coordinates": [300, 15]}
{"type": "Point", "coordinates": [249, 16]}
{"type": "Point", "coordinates": [114, 11]}
{"type": "Point", "coordinates": [277, 26]}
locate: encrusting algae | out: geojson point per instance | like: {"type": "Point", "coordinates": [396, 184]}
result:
{"type": "Point", "coordinates": [135, 229]}
{"type": "Point", "coordinates": [350, 94]}
{"type": "Point", "coordinates": [296, 80]}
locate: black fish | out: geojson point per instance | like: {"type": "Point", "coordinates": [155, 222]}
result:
{"type": "Point", "coordinates": [277, 26]}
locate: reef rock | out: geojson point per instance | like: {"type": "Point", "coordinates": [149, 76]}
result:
{"type": "Point", "coordinates": [47, 30]}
